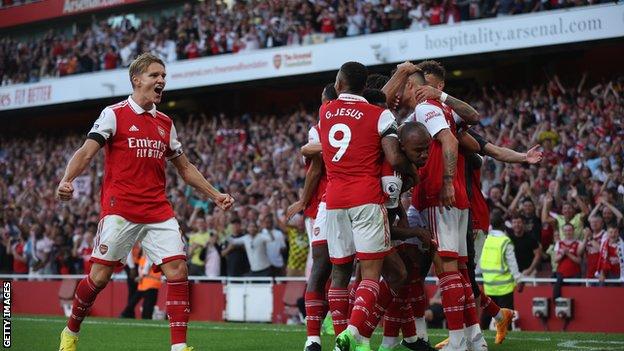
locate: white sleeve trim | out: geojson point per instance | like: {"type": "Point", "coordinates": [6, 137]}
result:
{"type": "Point", "coordinates": [106, 124]}
{"type": "Point", "coordinates": [174, 143]}
{"type": "Point", "coordinates": [386, 121]}
{"type": "Point", "coordinates": [432, 117]}
{"type": "Point", "coordinates": [313, 136]}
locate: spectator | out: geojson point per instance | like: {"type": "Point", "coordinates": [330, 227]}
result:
{"type": "Point", "coordinates": [276, 247]}
{"type": "Point", "coordinates": [593, 238]}
{"type": "Point", "coordinates": [568, 252]}
{"type": "Point", "coordinates": [198, 240]}
{"type": "Point", "coordinates": [236, 260]}
{"type": "Point", "coordinates": [527, 250]}
{"type": "Point", "coordinates": [256, 246]}
{"type": "Point", "coordinates": [20, 259]}
{"type": "Point", "coordinates": [298, 245]}
{"type": "Point", "coordinates": [212, 257]}
{"type": "Point", "coordinates": [611, 251]}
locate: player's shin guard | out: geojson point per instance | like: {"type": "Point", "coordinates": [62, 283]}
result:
{"type": "Point", "coordinates": [489, 306]}
{"type": "Point", "coordinates": [338, 299]}
{"type": "Point", "coordinates": [352, 289]}
{"type": "Point", "coordinates": [365, 298]}
{"type": "Point", "coordinates": [178, 309]}
{"type": "Point", "coordinates": [418, 302]}
{"type": "Point", "coordinates": [393, 318]}
{"type": "Point", "coordinates": [470, 308]}
{"type": "Point", "coordinates": [85, 295]}
{"type": "Point", "coordinates": [316, 308]}
{"type": "Point", "coordinates": [383, 300]}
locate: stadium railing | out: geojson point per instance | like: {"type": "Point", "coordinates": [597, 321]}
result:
{"type": "Point", "coordinates": [251, 280]}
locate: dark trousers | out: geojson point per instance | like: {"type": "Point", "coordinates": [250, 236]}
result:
{"type": "Point", "coordinates": [504, 301]}
{"type": "Point", "coordinates": [149, 296]}
{"type": "Point", "coordinates": [131, 273]}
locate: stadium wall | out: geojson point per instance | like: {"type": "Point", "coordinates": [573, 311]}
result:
{"type": "Point", "coordinates": [595, 309]}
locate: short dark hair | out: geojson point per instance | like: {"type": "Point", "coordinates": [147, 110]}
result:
{"type": "Point", "coordinates": [497, 219]}
{"type": "Point", "coordinates": [408, 128]}
{"type": "Point", "coordinates": [330, 92]}
{"type": "Point", "coordinates": [354, 75]}
{"type": "Point", "coordinates": [433, 67]}
{"type": "Point", "coordinates": [376, 81]}
{"type": "Point", "coordinates": [374, 96]}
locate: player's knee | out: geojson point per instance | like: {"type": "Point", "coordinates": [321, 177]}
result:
{"type": "Point", "coordinates": [175, 270]}
{"type": "Point", "coordinates": [100, 274]}
{"type": "Point", "coordinates": [341, 275]}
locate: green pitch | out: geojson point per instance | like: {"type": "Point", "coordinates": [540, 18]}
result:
{"type": "Point", "coordinates": [37, 333]}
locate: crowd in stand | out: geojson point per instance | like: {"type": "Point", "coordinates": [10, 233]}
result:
{"type": "Point", "coordinates": [564, 215]}
{"type": "Point", "coordinates": [212, 28]}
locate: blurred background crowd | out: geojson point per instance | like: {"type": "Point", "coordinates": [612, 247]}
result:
{"type": "Point", "coordinates": [575, 195]}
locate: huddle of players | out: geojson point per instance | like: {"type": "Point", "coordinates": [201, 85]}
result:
{"type": "Point", "coordinates": [359, 162]}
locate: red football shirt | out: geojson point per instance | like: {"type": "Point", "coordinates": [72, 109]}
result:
{"type": "Point", "coordinates": [351, 131]}
{"type": "Point", "coordinates": [436, 117]}
{"type": "Point", "coordinates": [609, 261]}
{"type": "Point", "coordinates": [312, 208]}
{"type": "Point", "coordinates": [593, 254]}
{"type": "Point", "coordinates": [478, 205]}
{"type": "Point", "coordinates": [567, 267]}
{"type": "Point", "coordinates": [136, 144]}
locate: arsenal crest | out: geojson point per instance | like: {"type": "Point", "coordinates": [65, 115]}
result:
{"type": "Point", "coordinates": [103, 249]}
{"type": "Point", "coordinates": [161, 131]}
{"type": "Point", "coordinates": [277, 61]}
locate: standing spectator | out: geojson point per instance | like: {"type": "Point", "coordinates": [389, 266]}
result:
{"type": "Point", "coordinates": [20, 259]}
{"type": "Point", "coordinates": [419, 15]}
{"type": "Point", "coordinates": [277, 247]}
{"type": "Point", "coordinates": [298, 246]}
{"type": "Point", "coordinates": [499, 265]}
{"type": "Point", "coordinates": [236, 259]}
{"type": "Point", "coordinates": [41, 247]}
{"type": "Point", "coordinates": [527, 250]}
{"type": "Point", "coordinates": [593, 238]}
{"type": "Point", "coordinates": [436, 14]}
{"type": "Point", "coordinates": [212, 257]}
{"type": "Point", "coordinates": [197, 242]}
{"type": "Point", "coordinates": [611, 251]}
{"type": "Point", "coordinates": [568, 215]}
{"type": "Point", "coordinates": [327, 23]}
{"type": "Point", "coordinates": [256, 246]}
{"type": "Point", "coordinates": [149, 282]}
{"type": "Point", "coordinates": [355, 22]}
{"type": "Point", "coordinates": [567, 257]}
{"type": "Point", "coordinates": [110, 58]}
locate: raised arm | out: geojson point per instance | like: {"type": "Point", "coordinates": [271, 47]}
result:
{"type": "Point", "coordinates": [504, 154]}
{"type": "Point", "coordinates": [311, 149]}
{"type": "Point", "coordinates": [463, 109]}
{"type": "Point", "coordinates": [77, 164]}
{"type": "Point", "coordinates": [194, 178]}
{"type": "Point", "coordinates": [394, 87]}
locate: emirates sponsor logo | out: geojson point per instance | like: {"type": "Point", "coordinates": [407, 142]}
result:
{"type": "Point", "coordinates": [147, 148]}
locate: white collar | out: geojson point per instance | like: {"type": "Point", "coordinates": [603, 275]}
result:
{"type": "Point", "coordinates": [138, 109]}
{"type": "Point", "coordinates": [497, 232]}
{"type": "Point", "coordinates": [351, 97]}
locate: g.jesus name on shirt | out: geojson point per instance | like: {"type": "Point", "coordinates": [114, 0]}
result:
{"type": "Point", "coordinates": [348, 112]}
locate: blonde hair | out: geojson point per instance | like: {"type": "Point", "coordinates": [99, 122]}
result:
{"type": "Point", "coordinates": [140, 64]}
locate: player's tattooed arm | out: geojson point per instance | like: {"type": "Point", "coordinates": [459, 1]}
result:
{"type": "Point", "coordinates": [463, 109]}
{"type": "Point", "coordinates": [450, 147]}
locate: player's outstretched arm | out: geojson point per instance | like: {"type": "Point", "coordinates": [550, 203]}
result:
{"type": "Point", "coordinates": [194, 178]}
{"type": "Point", "coordinates": [393, 154]}
{"type": "Point", "coordinates": [311, 182]}
{"type": "Point", "coordinates": [504, 154]}
{"type": "Point", "coordinates": [394, 87]}
{"type": "Point", "coordinates": [77, 164]}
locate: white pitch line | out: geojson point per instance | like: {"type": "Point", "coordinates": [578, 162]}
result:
{"type": "Point", "coordinates": [262, 329]}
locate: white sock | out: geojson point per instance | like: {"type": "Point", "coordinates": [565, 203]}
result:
{"type": "Point", "coordinates": [70, 332]}
{"type": "Point", "coordinates": [354, 331]}
{"type": "Point", "coordinates": [311, 339]}
{"type": "Point", "coordinates": [421, 329]}
{"type": "Point", "coordinates": [473, 333]}
{"type": "Point", "coordinates": [456, 339]}
{"type": "Point", "coordinates": [499, 316]}
{"type": "Point", "coordinates": [389, 341]}
{"type": "Point", "coordinates": [178, 347]}
{"type": "Point", "coordinates": [411, 339]}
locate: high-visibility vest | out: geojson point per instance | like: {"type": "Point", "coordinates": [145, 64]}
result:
{"type": "Point", "coordinates": [497, 279]}
{"type": "Point", "coordinates": [149, 281]}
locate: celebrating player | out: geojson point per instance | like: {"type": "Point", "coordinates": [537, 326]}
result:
{"type": "Point", "coordinates": [137, 140]}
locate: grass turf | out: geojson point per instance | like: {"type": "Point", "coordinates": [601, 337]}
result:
{"type": "Point", "coordinates": [39, 333]}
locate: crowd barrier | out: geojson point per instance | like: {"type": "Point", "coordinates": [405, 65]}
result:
{"type": "Point", "coordinates": [265, 299]}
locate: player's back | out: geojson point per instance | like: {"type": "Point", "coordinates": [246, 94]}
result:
{"type": "Point", "coordinates": [351, 132]}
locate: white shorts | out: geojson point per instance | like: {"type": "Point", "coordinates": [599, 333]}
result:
{"type": "Point", "coordinates": [162, 242]}
{"type": "Point", "coordinates": [449, 230]}
{"type": "Point", "coordinates": [361, 232]}
{"type": "Point", "coordinates": [319, 227]}
{"type": "Point", "coordinates": [391, 186]}
{"type": "Point", "coordinates": [415, 220]}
